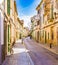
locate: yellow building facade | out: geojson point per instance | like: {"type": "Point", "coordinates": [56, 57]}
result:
{"type": "Point", "coordinates": [19, 29]}
{"type": "Point", "coordinates": [35, 27]}
{"type": "Point", "coordinates": [48, 27]}
{"type": "Point", "coordinates": [10, 26]}
{"type": "Point", "coordinates": [10, 15]}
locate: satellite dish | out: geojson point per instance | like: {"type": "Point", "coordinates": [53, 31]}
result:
{"type": "Point", "coordinates": [1, 1]}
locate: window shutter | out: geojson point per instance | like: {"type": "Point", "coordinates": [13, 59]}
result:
{"type": "Point", "coordinates": [8, 7]}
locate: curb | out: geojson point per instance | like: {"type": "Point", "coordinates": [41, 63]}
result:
{"type": "Point", "coordinates": [49, 49]}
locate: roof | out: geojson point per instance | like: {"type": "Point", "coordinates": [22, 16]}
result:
{"type": "Point", "coordinates": [38, 7]}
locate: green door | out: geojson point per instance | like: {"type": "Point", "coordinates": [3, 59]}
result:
{"type": "Point", "coordinates": [8, 38]}
{"type": "Point", "coordinates": [45, 37]}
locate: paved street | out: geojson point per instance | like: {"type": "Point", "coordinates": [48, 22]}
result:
{"type": "Point", "coordinates": [28, 32]}
{"type": "Point", "coordinates": [30, 53]}
{"type": "Point", "coordinates": [19, 56]}
{"type": "Point", "coordinates": [40, 55]}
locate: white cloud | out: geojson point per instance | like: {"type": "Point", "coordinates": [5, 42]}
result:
{"type": "Point", "coordinates": [32, 12]}
{"type": "Point", "coordinates": [27, 20]}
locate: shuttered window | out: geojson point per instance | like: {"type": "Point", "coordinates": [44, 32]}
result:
{"type": "Point", "coordinates": [8, 7]}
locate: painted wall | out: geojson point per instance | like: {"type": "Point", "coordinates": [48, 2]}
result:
{"type": "Point", "coordinates": [1, 35]}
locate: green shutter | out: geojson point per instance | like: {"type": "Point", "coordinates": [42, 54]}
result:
{"type": "Point", "coordinates": [51, 11]}
{"type": "Point", "coordinates": [8, 33]}
{"type": "Point", "coordinates": [8, 7]}
{"type": "Point", "coordinates": [8, 38]}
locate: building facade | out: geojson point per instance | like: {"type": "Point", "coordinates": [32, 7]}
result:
{"type": "Point", "coordinates": [19, 28]}
{"type": "Point", "coordinates": [35, 27]}
{"type": "Point", "coordinates": [48, 22]}
{"type": "Point", "coordinates": [9, 27]}
{"type": "Point", "coordinates": [8, 19]}
{"type": "Point", "coordinates": [1, 33]}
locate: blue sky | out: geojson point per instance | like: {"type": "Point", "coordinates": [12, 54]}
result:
{"type": "Point", "coordinates": [26, 9]}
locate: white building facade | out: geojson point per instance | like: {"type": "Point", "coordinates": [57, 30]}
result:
{"type": "Point", "coordinates": [1, 32]}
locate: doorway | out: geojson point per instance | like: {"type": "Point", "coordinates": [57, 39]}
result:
{"type": "Point", "coordinates": [38, 36]}
{"type": "Point", "coordinates": [45, 37]}
{"type": "Point", "coordinates": [8, 37]}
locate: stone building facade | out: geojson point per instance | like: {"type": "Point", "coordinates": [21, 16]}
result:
{"type": "Point", "coordinates": [48, 22]}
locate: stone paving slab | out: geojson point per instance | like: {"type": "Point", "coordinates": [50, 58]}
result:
{"type": "Point", "coordinates": [19, 56]}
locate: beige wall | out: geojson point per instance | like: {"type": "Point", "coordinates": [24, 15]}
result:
{"type": "Point", "coordinates": [48, 32]}
{"type": "Point", "coordinates": [2, 51]}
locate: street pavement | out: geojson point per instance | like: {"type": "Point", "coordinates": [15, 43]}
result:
{"type": "Point", "coordinates": [19, 56]}
{"type": "Point", "coordinates": [39, 54]}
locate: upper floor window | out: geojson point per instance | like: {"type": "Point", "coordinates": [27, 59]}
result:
{"type": "Point", "coordinates": [48, 17]}
{"type": "Point", "coordinates": [38, 11]}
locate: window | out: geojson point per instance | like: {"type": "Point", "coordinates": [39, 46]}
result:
{"type": "Point", "coordinates": [55, 15]}
{"type": "Point", "coordinates": [45, 37]}
{"type": "Point", "coordinates": [52, 35]}
{"type": "Point", "coordinates": [48, 36]}
{"type": "Point", "coordinates": [38, 35]}
{"type": "Point", "coordinates": [42, 33]}
{"type": "Point", "coordinates": [52, 11]}
{"type": "Point", "coordinates": [43, 19]}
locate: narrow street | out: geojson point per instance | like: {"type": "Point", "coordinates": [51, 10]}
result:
{"type": "Point", "coordinates": [30, 53]}
{"type": "Point", "coordinates": [28, 32]}
{"type": "Point", "coordinates": [40, 55]}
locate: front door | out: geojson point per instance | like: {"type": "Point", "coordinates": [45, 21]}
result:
{"type": "Point", "coordinates": [52, 35]}
{"type": "Point", "coordinates": [45, 37]}
{"type": "Point", "coordinates": [8, 44]}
